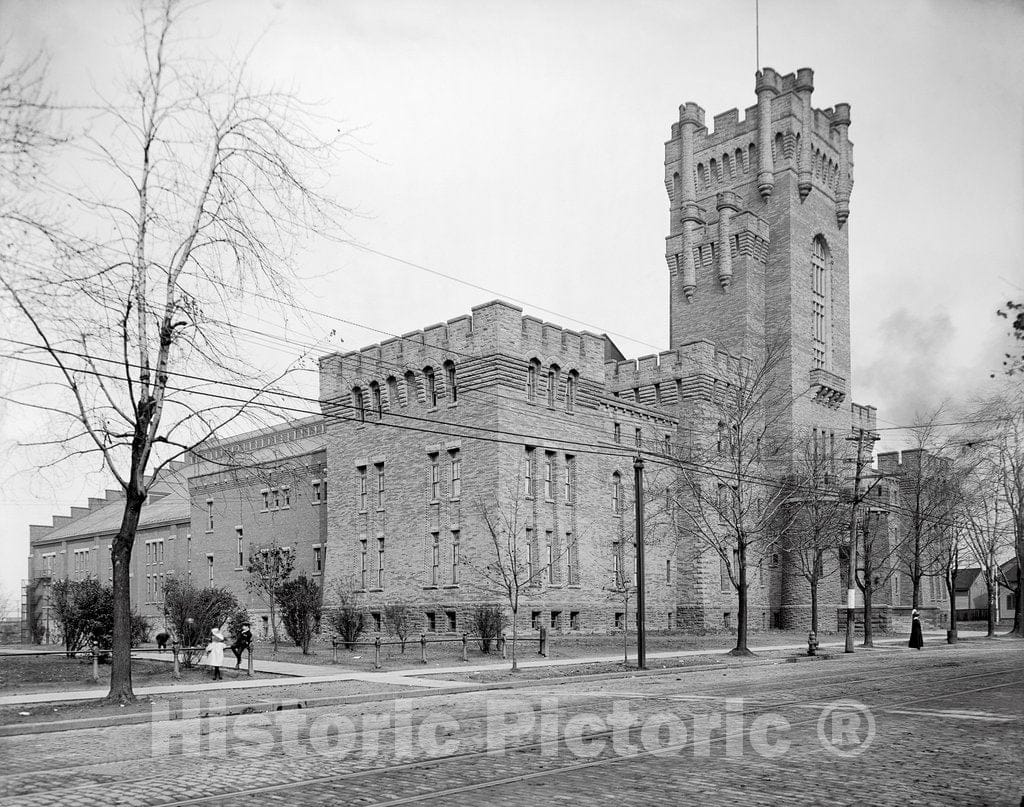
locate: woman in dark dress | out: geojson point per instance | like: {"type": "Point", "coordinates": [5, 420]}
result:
{"type": "Point", "coordinates": [916, 637]}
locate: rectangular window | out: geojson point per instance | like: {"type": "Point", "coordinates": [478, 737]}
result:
{"type": "Point", "coordinates": [556, 620]}
{"type": "Point", "coordinates": [668, 571]}
{"type": "Point", "coordinates": [209, 515]}
{"type": "Point", "coordinates": [535, 620]}
{"type": "Point", "coordinates": [238, 542]}
{"type": "Point", "coordinates": [380, 563]}
{"type": "Point", "coordinates": [318, 559]}
{"type": "Point", "coordinates": [435, 558]}
{"type": "Point", "coordinates": [726, 581]}
{"type": "Point", "coordinates": [266, 498]}
{"type": "Point", "coordinates": [617, 432]}
{"type": "Point", "coordinates": [617, 563]}
{"type": "Point", "coordinates": [456, 469]}
{"type": "Point", "coordinates": [574, 559]}
{"type": "Point", "coordinates": [431, 622]}
{"type": "Point", "coordinates": [548, 493]}
{"type": "Point", "coordinates": [375, 615]}
{"type": "Point", "coordinates": [616, 493]}
{"type": "Point", "coordinates": [570, 473]}
{"type": "Point", "coordinates": [620, 620]}
{"type": "Point", "coordinates": [362, 564]}
{"type": "Point", "coordinates": [362, 487]}
{"type": "Point", "coordinates": [574, 620]}
{"type": "Point", "coordinates": [528, 474]}
{"type": "Point", "coordinates": [275, 496]}
{"type": "Point", "coordinates": [380, 485]}
{"type": "Point", "coordinates": [287, 493]}
{"type": "Point", "coordinates": [667, 446]}
{"type": "Point", "coordinates": [435, 479]}
{"type": "Point", "coordinates": [529, 556]}
{"type": "Point", "coordinates": [455, 557]}
{"type": "Point", "coordinates": [209, 567]}
{"type": "Point", "coordinates": [639, 436]}
{"type": "Point", "coordinates": [550, 550]}
{"type": "Point", "coordinates": [452, 620]}
{"type": "Point", "coordinates": [671, 621]}
{"type": "Point", "coordinates": [316, 493]}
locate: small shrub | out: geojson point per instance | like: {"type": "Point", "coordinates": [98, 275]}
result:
{"type": "Point", "coordinates": [192, 613]}
{"type": "Point", "coordinates": [347, 620]}
{"type": "Point", "coordinates": [488, 621]}
{"type": "Point", "coordinates": [398, 621]}
{"type": "Point", "coordinates": [300, 604]}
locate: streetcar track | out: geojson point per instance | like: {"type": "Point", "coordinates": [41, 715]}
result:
{"type": "Point", "coordinates": [822, 681]}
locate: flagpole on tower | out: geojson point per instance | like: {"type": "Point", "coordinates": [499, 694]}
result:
{"type": "Point", "coordinates": [757, 33]}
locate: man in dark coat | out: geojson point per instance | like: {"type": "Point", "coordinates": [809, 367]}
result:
{"type": "Point", "coordinates": [916, 637]}
{"type": "Point", "coordinates": [243, 641]}
{"type": "Point", "coordinates": [162, 639]}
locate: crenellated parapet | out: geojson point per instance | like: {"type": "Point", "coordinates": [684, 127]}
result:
{"type": "Point", "coordinates": [494, 346]}
{"type": "Point", "coordinates": [863, 417]}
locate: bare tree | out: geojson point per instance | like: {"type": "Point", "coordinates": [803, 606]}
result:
{"type": "Point", "coordinates": [7, 604]}
{"type": "Point", "coordinates": [819, 514]}
{"type": "Point", "coordinates": [208, 187]}
{"type": "Point", "coordinates": [622, 589]}
{"type": "Point", "coordinates": [723, 500]}
{"type": "Point", "coordinates": [875, 564]}
{"type": "Point", "coordinates": [269, 568]}
{"type": "Point", "coordinates": [927, 485]}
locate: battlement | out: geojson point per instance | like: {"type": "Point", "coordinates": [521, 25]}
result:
{"type": "Point", "coordinates": [493, 328]}
{"type": "Point", "coordinates": [862, 417]}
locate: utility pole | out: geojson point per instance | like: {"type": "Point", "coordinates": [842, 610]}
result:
{"type": "Point", "coordinates": [851, 590]}
{"type": "Point", "coordinates": [641, 634]}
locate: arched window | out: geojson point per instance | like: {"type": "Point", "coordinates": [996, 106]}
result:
{"type": "Point", "coordinates": [375, 400]}
{"type": "Point", "coordinates": [570, 390]}
{"type": "Point", "coordinates": [392, 393]}
{"type": "Point", "coordinates": [357, 399]}
{"type": "Point", "coordinates": [713, 170]}
{"type": "Point", "coordinates": [821, 305]}
{"type": "Point", "coordinates": [740, 167]}
{"type": "Point", "coordinates": [702, 176]}
{"type": "Point", "coordinates": [449, 381]}
{"type": "Point", "coordinates": [552, 383]}
{"type": "Point", "coordinates": [430, 385]}
{"type": "Point", "coordinates": [677, 188]}
{"type": "Point", "coordinates": [410, 387]}
{"type": "Point", "coordinates": [780, 146]}
{"type": "Point", "coordinates": [726, 167]}
{"type": "Point", "coordinates": [532, 371]}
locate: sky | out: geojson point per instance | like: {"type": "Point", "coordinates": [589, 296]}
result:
{"type": "Point", "coordinates": [519, 147]}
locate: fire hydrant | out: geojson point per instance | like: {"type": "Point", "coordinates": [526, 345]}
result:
{"type": "Point", "coordinates": [812, 643]}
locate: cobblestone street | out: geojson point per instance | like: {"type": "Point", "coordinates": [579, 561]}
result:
{"type": "Point", "coordinates": [943, 726]}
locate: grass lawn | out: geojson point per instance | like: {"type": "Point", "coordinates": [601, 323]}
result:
{"type": "Point", "coordinates": [57, 673]}
{"type": "Point", "coordinates": [560, 646]}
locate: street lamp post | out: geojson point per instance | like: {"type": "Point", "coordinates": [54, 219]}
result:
{"type": "Point", "coordinates": [641, 632]}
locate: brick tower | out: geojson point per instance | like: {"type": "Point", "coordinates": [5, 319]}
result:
{"type": "Point", "coordinates": [757, 253]}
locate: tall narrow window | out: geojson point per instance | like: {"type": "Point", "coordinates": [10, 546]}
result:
{"type": "Point", "coordinates": [238, 540]}
{"type": "Point", "coordinates": [357, 401]}
{"type": "Point", "coordinates": [550, 551]}
{"type": "Point", "coordinates": [639, 436]}
{"type": "Point", "coordinates": [723, 439]}
{"type": "Point", "coordinates": [617, 563]}
{"type": "Point", "coordinates": [209, 515]}
{"type": "Point", "coordinates": [617, 432]}
{"type": "Point", "coordinates": [362, 486]}
{"type": "Point", "coordinates": [378, 406]}
{"type": "Point", "coordinates": [431, 386]}
{"type": "Point", "coordinates": [435, 557]}
{"type": "Point", "coordinates": [532, 370]}
{"type": "Point", "coordinates": [548, 492]}
{"type": "Point", "coordinates": [574, 559]}
{"type": "Point", "coordinates": [529, 556]}
{"type": "Point", "coordinates": [528, 473]}
{"type": "Point", "coordinates": [820, 305]}
{"type": "Point", "coordinates": [380, 485]}
{"type": "Point", "coordinates": [392, 393]}
{"type": "Point", "coordinates": [209, 567]}
{"type": "Point", "coordinates": [616, 492]}
{"type": "Point", "coordinates": [410, 387]}
{"type": "Point", "coordinates": [552, 384]}
{"type": "Point", "coordinates": [435, 478]}
{"type": "Point", "coordinates": [362, 564]}
{"type": "Point", "coordinates": [449, 381]}
{"type": "Point", "coordinates": [455, 557]}
{"type": "Point", "coordinates": [456, 477]}
{"type": "Point", "coordinates": [668, 571]}
{"type": "Point", "coordinates": [570, 391]}
{"type": "Point", "coordinates": [570, 472]}
{"type": "Point", "coordinates": [380, 563]}
{"type": "Point", "coordinates": [318, 559]}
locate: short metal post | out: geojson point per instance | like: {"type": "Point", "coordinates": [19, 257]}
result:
{"type": "Point", "coordinates": [177, 669]}
{"type": "Point", "coordinates": [544, 641]}
{"type": "Point", "coordinates": [376, 653]}
{"type": "Point", "coordinates": [502, 642]}
{"type": "Point", "coordinates": [423, 648]}
{"type": "Point", "coordinates": [95, 662]}
{"type": "Point", "coordinates": [250, 659]}
{"type": "Point", "coordinates": [334, 650]}
{"type": "Point", "coordinates": [465, 642]}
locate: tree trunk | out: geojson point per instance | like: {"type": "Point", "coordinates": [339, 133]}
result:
{"type": "Point", "coordinates": [992, 605]}
{"type": "Point", "coordinates": [625, 632]}
{"type": "Point", "coordinates": [121, 649]}
{"type": "Point", "coordinates": [741, 648]}
{"type": "Point", "coordinates": [515, 636]}
{"type": "Point", "coordinates": [950, 582]}
{"type": "Point", "coordinates": [869, 639]}
{"type": "Point", "coordinates": [814, 605]}
{"type": "Point", "coordinates": [273, 620]}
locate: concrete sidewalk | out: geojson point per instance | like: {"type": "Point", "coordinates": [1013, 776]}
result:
{"type": "Point", "coordinates": [298, 673]}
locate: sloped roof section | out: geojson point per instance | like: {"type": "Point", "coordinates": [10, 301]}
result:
{"type": "Point", "coordinates": [965, 578]}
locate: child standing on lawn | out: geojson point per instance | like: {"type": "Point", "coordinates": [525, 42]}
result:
{"type": "Point", "coordinates": [214, 655]}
